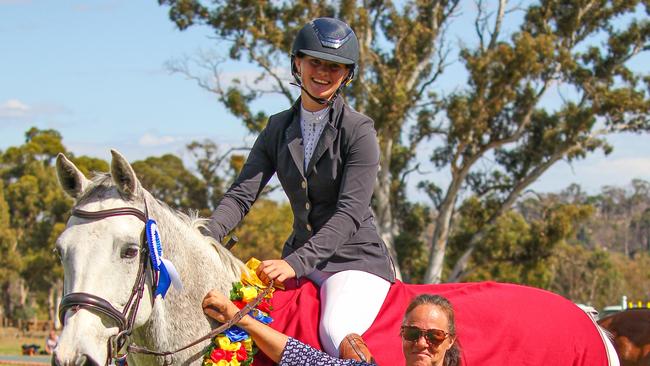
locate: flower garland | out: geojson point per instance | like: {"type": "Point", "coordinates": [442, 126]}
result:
{"type": "Point", "coordinates": [234, 346]}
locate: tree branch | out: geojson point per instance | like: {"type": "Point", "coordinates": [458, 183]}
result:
{"type": "Point", "coordinates": [497, 25]}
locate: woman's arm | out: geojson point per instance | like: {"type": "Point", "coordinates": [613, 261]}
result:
{"type": "Point", "coordinates": [277, 346]}
{"type": "Point", "coordinates": [241, 195]}
{"type": "Point", "coordinates": [269, 340]}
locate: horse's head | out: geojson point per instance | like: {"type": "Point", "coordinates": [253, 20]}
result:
{"type": "Point", "coordinates": [102, 258]}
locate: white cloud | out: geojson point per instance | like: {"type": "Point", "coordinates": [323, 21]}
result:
{"type": "Point", "coordinates": [14, 108]}
{"type": "Point", "coordinates": [149, 139]}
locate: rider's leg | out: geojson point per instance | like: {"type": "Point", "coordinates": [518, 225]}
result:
{"type": "Point", "coordinates": [350, 301]}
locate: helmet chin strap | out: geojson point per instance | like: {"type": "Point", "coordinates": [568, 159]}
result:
{"type": "Point", "coordinates": [321, 101]}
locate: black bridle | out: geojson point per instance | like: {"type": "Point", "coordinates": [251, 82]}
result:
{"type": "Point", "coordinates": [125, 319]}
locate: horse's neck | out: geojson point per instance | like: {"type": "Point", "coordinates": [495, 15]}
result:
{"type": "Point", "coordinates": [178, 319]}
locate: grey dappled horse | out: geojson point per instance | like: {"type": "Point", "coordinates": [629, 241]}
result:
{"type": "Point", "coordinates": [101, 257]}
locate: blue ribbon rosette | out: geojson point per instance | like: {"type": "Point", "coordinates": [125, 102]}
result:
{"type": "Point", "coordinates": [236, 334]}
{"type": "Point", "coordinates": [167, 273]}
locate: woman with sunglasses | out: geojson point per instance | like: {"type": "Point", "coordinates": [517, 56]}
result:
{"type": "Point", "coordinates": [326, 157]}
{"type": "Point", "coordinates": [428, 335]}
{"type": "Point", "coordinates": [429, 332]}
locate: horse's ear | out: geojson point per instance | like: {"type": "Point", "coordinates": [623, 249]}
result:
{"type": "Point", "coordinates": [123, 175]}
{"type": "Point", "coordinates": [71, 179]}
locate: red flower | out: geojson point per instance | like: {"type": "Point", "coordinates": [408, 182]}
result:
{"type": "Point", "coordinates": [265, 306]}
{"type": "Point", "coordinates": [240, 304]}
{"type": "Point", "coordinates": [220, 354]}
{"type": "Point", "coordinates": [241, 353]}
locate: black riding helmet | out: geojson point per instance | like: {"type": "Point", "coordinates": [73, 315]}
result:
{"type": "Point", "coordinates": [327, 39]}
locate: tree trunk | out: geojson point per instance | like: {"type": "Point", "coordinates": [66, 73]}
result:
{"type": "Point", "coordinates": [383, 211]}
{"type": "Point", "coordinates": [441, 232]}
{"type": "Point", "coordinates": [6, 302]}
{"type": "Point", "coordinates": [22, 293]}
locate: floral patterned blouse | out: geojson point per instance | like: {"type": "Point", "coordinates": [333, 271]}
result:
{"type": "Point", "coordinates": [297, 353]}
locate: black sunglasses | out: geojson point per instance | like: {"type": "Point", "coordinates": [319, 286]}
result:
{"type": "Point", "coordinates": [433, 336]}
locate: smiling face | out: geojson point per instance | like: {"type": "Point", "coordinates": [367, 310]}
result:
{"type": "Point", "coordinates": [321, 79]}
{"type": "Point", "coordinates": [419, 352]}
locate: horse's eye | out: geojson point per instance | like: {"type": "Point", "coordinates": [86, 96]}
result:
{"type": "Point", "coordinates": [130, 252]}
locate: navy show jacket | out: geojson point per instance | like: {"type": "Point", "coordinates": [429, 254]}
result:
{"type": "Point", "coordinates": [333, 225]}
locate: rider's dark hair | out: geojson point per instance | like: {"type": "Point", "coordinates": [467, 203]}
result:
{"type": "Point", "coordinates": [452, 356]}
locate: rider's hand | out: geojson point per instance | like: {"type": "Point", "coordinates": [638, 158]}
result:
{"type": "Point", "coordinates": [275, 269]}
{"type": "Point", "coordinates": [217, 306]}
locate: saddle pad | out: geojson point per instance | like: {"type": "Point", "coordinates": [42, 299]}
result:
{"type": "Point", "coordinates": [497, 324]}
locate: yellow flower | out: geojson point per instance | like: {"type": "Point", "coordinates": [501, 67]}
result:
{"type": "Point", "coordinates": [248, 344]}
{"type": "Point", "coordinates": [222, 363]}
{"type": "Point", "coordinates": [248, 293]}
{"type": "Point", "coordinates": [253, 263]}
{"type": "Point", "coordinates": [225, 344]}
{"type": "Point", "coordinates": [249, 275]}
{"type": "Point", "coordinates": [234, 362]}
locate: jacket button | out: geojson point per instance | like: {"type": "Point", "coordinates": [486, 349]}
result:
{"type": "Point", "coordinates": [303, 184]}
{"type": "Point", "coordinates": [307, 205]}
{"type": "Point", "coordinates": [308, 227]}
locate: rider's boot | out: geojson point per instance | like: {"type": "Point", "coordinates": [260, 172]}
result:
{"type": "Point", "coordinates": [353, 347]}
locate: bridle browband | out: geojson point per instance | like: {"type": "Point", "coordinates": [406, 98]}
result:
{"type": "Point", "coordinates": [126, 318]}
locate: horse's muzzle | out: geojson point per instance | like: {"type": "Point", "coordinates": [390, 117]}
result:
{"type": "Point", "coordinates": [80, 360]}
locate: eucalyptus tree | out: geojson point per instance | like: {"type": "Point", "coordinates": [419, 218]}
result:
{"type": "Point", "coordinates": [400, 60]}
{"type": "Point", "coordinates": [501, 126]}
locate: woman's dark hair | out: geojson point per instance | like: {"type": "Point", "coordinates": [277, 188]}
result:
{"type": "Point", "coordinates": [452, 356]}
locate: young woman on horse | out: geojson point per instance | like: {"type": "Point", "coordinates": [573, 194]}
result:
{"type": "Point", "coordinates": [326, 156]}
{"type": "Point", "coordinates": [428, 334]}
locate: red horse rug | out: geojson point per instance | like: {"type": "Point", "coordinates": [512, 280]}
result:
{"type": "Point", "coordinates": [497, 324]}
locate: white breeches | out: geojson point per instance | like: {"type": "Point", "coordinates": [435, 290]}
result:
{"type": "Point", "coordinates": [349, 303]}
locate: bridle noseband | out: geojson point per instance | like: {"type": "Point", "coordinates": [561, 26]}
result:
{"type": "Point", "coordinates": [125, 319]}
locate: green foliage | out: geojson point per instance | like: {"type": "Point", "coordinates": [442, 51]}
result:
{"type": "Point", "coordinates": [167, 179]}
{"type": "Point", "coordinates": [585, 276]}
{"type": "Point", "coordinates": [516, 248]}
{"type": "Point", "coordinates": [411, 248]}
{"type": "Point", "coordinates": [89, 166]}
{"type": "Point", "coordinates": [264, 230]}
{"type": "Point", "coordinates": [10, 262]}
{"type": "Point", "coordinates": [635, 274]}
{"type": "Point", "coordinates": [37, 210]}
{"type": "Point", "coordinates": [214, 168]}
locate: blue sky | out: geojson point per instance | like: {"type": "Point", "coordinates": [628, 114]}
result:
{"type": "Point", "coordinates": [95, 71]}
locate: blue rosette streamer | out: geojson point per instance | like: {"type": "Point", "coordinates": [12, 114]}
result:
{"type": "Point", "coordinates": [260, 316]}
{"type": "Point", "coordinates": [167, 273]}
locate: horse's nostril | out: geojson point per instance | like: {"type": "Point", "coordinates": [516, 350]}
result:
{"type": "Point", "coordinates": [86, 360]}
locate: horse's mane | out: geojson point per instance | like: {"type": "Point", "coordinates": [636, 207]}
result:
{"type": "Point", "coordinates": [102, 187]}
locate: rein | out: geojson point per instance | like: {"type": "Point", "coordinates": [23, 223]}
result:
{"type": "Point", "coordinates": [125, 319]}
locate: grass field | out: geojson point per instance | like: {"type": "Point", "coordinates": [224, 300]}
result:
{"type": "Point", "coordinates": [11, 340]}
